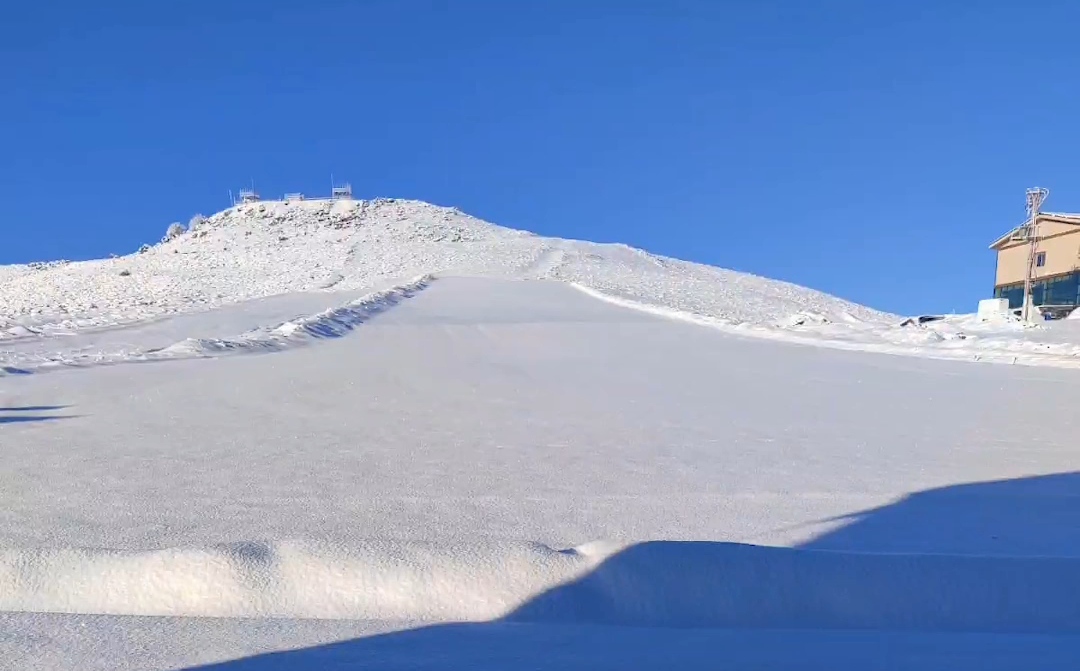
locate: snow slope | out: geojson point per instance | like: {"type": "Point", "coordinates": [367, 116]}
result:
{"type": "Point", "coordinates": [489, 471]}
{"type": "Point", "coordinates": [270, 250]}
{"type": "Point", "coordinates": [265, 249]}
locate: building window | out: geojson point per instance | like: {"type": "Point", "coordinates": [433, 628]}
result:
{"type": "Point", "coordinates": [1061, 290]}
{"type": "Point", "coordinates": [1040, 259]}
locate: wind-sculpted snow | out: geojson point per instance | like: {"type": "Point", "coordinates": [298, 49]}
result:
{"type": "Point", "coordinates": [332, 323]}
{"type": "Point", "coordinates": [374, 580]}
{"type": "Point", "coordinates": [653, 584]}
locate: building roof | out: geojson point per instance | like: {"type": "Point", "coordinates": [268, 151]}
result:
{"type": "Point", "coordinates": [1058, 217]}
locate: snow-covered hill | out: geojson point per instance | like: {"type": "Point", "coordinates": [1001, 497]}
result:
{"type": "Point", "coordinates": [495, 439]}
{"type": "Point", "coordinates": [270, 248]}
{"type": "Point", "coordinates": [335, 253]}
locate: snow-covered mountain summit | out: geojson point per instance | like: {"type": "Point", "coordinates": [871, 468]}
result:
{"type": "Point", "coordinates": [270, 248]}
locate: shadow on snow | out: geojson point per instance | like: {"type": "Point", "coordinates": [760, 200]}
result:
{"type": "Point", "coordinates": [7, 418]}
{"type": "Point", "coordinates": [929, 582]}
{"type": "Point", "coordinates": [1026, 516]}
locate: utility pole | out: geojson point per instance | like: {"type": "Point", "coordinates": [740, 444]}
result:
{"type": "Point", "coordinates": [1035, 198]}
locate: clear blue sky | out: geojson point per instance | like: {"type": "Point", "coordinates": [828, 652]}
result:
{"type": "Point", "coordinates": [869, 149]}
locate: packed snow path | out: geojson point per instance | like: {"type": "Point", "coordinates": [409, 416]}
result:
{"type": "Point", "coordinates": [464, 454]}
{"type": "Point", "coordinates": [470, 392]}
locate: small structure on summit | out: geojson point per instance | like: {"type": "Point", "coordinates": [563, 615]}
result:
{"type": "Point", "coordinates": [249, 196]}
{"type": "Point", "coordinates": [293, 197]}
{"type": "Point", "coordinates": [343, 192]}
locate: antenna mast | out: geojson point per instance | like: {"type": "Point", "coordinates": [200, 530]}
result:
{"type": "Point", "coordinates": [1035, 198]}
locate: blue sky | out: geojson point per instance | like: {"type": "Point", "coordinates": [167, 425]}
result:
{"type": "Point", "coordinates": [868, 149]}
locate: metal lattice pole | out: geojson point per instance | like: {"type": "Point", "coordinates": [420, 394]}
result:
{"type": "Point", "coordinates": [1035, 198]}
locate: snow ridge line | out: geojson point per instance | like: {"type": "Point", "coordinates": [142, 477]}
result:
{"type": "Point", "coordinates": [669, 584]}
{"type": "Point", "coordinates": [658, 310]}
{"type": "Point", "coordinates": [777, 335]}
{"type": "Point", "coordinates": [333, 323]}
{"type": "Point", "coordinates": [373, 580]}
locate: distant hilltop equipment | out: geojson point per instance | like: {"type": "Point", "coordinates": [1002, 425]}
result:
{"type": "Point", "coordinates": [343, 192]}
{"type": "Point", "coordinates": [248, 196]}
{"type": "Point", "coordinates": [245, 195]}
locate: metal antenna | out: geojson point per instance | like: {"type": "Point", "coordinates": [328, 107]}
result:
{"type": "Point", "coordinates": [1035, 198]}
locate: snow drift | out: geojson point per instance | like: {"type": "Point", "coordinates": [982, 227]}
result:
{"type": "Point", "coordinates": [665, 584]}
{"type": "Point", "coordinates": [331, 323]}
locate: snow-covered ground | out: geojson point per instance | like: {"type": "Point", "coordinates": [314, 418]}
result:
{"type": "Point", "coordinates": [580, 482]}
{"type": "Point", "coordinates": [306, 255]}
{"type": "Point", "coordinates": [383, 443]}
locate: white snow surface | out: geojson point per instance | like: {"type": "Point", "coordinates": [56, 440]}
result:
{"type": "Point", "coordinates": [601, 583]}
{"type": "Point", "coordinates": [485, 471]}
{"type": "Point", "coordinates": [272, 248]}
{"type": "Point", "coordinates": [275, 249]}
{"type": "Point", "coordinates": [442, 462]}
